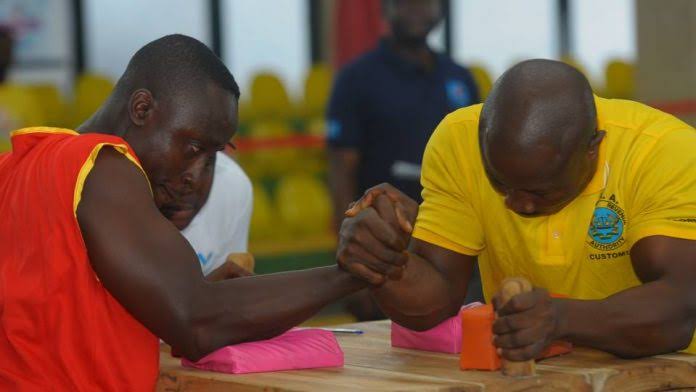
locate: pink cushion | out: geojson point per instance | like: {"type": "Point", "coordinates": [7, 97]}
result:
{"type": "Point", "coordinates": [295, 349]}
{"type": "Point", "coordinates": [445, 337]}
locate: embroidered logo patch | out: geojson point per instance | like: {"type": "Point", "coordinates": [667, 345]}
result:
{"type": "Point", "coordinates": [607, 225]}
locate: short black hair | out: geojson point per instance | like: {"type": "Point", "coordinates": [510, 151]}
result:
{"type": "Point", "coordinates": [175, 61]}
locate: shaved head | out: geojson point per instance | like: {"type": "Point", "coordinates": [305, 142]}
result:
{"type": "Point", "coordinates": [538, 136]}
{"type": "Point", "coordinates": [176, 105]}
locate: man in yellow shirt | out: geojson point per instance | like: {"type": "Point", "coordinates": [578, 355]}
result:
{"type": "Point", "coordinates": [590, 198]}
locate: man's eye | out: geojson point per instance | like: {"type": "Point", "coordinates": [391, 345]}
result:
{"type": "Point", "coordinates": [195, 148]}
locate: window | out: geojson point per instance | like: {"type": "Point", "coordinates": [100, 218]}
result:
{"type": "Point", "coordinates": [115, 30]}
{"type": "Point", "coordinates": [499, 33]}
{"type": "Point", "coordinates": [267, 36]}
{"type": "Point", "coordinates": [601, 31]}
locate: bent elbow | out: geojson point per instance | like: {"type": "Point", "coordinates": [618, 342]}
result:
{"type": "Point", "coordinates": [197, 343]}
{"type": "Point", "coordinates": [203, 338]}
{"type": "Point", "coordinates": [190, 336]}
{"type": "Point", "coordinates": [684, 336]}
{"type": "Point", "coordinates": [418, 324]}
{"type": "Point", "coordinates": [666, 341]}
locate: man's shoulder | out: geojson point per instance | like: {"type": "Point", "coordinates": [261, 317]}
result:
{"type": "Point", "coordinates": [640, 118]}
{"type": "Point", "coordinates": [466, 118]}
{"type": "Point", "coordinates": [641, 132]}
{"type": "Point", "coordinates": [361, 66]}
{"type": "Point", "coordinates": [453, 66]}
{"type": "Point", "coordinates": [457, 135]}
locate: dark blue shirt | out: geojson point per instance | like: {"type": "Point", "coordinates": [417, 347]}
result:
{"type": "Point", "coordinates": [387, 107]}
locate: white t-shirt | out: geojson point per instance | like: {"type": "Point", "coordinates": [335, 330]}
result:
{"type": "Point", "coordinates": [221, 227]}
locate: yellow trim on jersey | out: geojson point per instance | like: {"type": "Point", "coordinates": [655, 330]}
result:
{"type": "Point", "coordinates": [89, 164]}
{"type": "Point", "coordinates": [24, 131]}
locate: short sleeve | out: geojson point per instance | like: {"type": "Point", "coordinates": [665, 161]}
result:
{"type": "Point", "coordinates": [447, 217]}
{"type": "Point", "coordinates": [345, 118]}
{"type": "Point", "coordinates": [664, 190]}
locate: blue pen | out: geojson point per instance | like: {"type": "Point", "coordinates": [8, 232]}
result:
{"type": "Point", "coordinates": [344, 330]}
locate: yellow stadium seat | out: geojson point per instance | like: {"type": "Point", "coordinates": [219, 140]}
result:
{"type": "Point", "coordinates": [19, 109]}
{"type": "Point", "coordinates": [90, 93]}
{"type": "Point", "coordinates": [268, 98]}
{"type": "Point", "coordinates": [262, 218]}
{"type": "Point", "coordinates": [620, 80]}
{"type": "Point", "coordinates": [303, 205]}
{"type": "Point", "coordinates": [483, 80]}
{"type": "Point", "coordinates": [270, 161]}
{"type": "Point", "coordinates": [51, 104]}
{"type": "Point", "coordinates": [316, 126]}
{"type": "Point", "coordinates": [317, 90]}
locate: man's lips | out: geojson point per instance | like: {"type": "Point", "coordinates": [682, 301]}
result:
{"type": "Point", "coordinates": [173, 212]}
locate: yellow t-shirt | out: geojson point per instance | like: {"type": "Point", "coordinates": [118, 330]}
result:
{"type": "Point", "coordinates": [645, 185]}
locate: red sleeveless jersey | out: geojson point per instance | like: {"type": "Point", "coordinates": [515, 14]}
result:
{"type": "Point", "coordinates": [60, 329]}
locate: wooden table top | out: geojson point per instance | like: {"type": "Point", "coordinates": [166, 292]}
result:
{"type": "Point", "coordinates": [372, 364]}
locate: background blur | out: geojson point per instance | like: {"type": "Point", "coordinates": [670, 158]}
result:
{"type": "Point", "coordinates": [68, 53]}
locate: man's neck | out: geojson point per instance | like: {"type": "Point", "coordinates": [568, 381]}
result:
{"type": "Point", "coordinates": [106, 121]}
{"type": "Point", "coordinates": [414, 51]}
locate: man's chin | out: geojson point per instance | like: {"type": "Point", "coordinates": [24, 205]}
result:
{"type": "Point", "coordinates": [181, 219]}
{"type": "Point", "coordinates": [538, 213]}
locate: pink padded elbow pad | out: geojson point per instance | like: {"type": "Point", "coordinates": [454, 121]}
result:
{"type": "Point", "coordinates": [295, 349]}
{"type": "Point", "coordinates": [445, 337]}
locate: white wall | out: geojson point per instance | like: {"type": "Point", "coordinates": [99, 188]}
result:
{"type": "Point", "coordinates": [116, 29]}
{"type": "Point", "coordinates": [603, 30]}
{"type": "Point", "coordinates": [43, 51]}
{"type": "Point", "coordinates": [267, 35]}
{"type": "Point", "coordinates": [500, 33]}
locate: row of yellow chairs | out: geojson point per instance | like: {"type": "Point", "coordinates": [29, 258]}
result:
{"type": "Point", "coordinates": [42, 104]}
{"type": "Point", "coordinates": [268, 98]}
{"type": "Point", "coordinates": [619, 79]}
{"type": "Point", "coordinates": [300, 207]}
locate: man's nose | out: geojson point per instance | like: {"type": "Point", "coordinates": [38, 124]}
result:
{"type": "Point", "coordinates": [193, 175]}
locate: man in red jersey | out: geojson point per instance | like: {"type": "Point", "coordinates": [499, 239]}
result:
{"type": "Point", "coordinates": [92, 270]}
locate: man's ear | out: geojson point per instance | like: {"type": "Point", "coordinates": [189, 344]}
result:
{"type": "Point", "coordinates": [596, 141]}
{"type": "Point", "coordinates": [140, 106]}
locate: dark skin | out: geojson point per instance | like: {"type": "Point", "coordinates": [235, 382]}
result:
{"type": "Point", "coordinates": [656, 317]}
{"type": "Point", "coordinates": [410, 22]}
{"type": "Point", "coordinates": [179, 197]}
{"type": "Point", "coordinates": [143, 260]}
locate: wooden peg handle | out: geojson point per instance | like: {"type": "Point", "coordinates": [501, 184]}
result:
{"type": "Point", "coordinates": [244, 260]}
{"type": "Point", "coordinates": [510, 288]}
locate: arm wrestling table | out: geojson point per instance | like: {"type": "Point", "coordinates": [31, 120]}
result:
{"type": "Point", "coordinates": [372, 364]}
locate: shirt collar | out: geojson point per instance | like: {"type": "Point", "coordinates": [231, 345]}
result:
{"type": "Point", "coordinates": [392, 58]}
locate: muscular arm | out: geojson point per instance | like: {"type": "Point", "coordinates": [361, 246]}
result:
{"type": "Point", "coordinates": [433, 287]}
{"type": "Point", "coordinates": [656, 317]}
{"type": "Point", "coordinates": [343, 167]}
{"type": "Point", "coordinates": [147, 265]}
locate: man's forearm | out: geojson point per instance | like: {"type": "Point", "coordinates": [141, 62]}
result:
{"type": "Point", "coordinates": [261, 307]}
{"type": "Point", "coordinates": [646, 320]}
{"type": "Point", "coordinates": [420, 299]}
